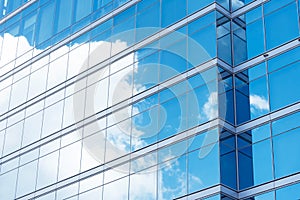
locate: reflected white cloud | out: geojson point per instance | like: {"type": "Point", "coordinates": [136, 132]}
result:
{"type": "Point", "coordinates": [259, 103]}
{"type": "Point", "coordinates": [210, 108]}
{"type": "Point", "coordinates": [119, 87]}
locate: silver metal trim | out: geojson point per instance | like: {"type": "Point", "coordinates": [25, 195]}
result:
{"type": "Point", "coordinates": [69, 39]}
{"type": "Point", "coordinates": [273, 185]}
{"type": "Point", "coordinates": [247, 7]}
{"type": "Point", "coordinates": [105, 112]}
{"type": "Point", "coordinates": [273, 53]}
{"type": "Point", "coordinates": [269, 117]}
{"type": "Point", "coordinates": [10, 15]}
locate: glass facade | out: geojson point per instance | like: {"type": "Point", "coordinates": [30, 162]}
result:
{"type": "Point", "coordinates": [149, 99]}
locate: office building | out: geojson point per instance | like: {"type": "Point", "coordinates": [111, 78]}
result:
{"type": "Point", "coordinates": [149, 99]}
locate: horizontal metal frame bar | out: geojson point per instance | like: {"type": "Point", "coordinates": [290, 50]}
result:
{"type": "Point", "coordinates": [15, 12]}
{"type": "Point", "coordinates": [267, 55]}
{"type": "Point", "coordinates": [268, 118]}
{"type": "Point", "coordinates": [110, 110]}
{"type": "Point", "coordinates": [270, 186]}
{"type": "Point", "coordinates": [247, 8]}
{"type": "Point", "coordinates": [114, 58]}
{"type": "Point", "coordinates": [69, 39]}
{"type": "Point", "coordinates": [124, 159]}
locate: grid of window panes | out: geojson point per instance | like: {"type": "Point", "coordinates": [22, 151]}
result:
{"type": "Point", "coordinates": [80, 95]}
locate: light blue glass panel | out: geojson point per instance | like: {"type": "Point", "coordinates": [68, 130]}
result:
{"type": "Point", "coordinates": [274, 5]}
{"type": "Point", "coordinates": [262, 162]}
{"type": "Point", "coordinates": [13, 5]}
{"type": "Point", "coordinates": [255, 38]}
{"type": "Point", "coordinates": [286, 152]}
{"type": "Point", "coordinates": [195, 5]}
{"type": "Point", "coordinates": [257, 71]}
{"type": "Point", "coordinates": [284, 83]}
{"type": "Point", "coordinates": [203, 168]}
{"type": "Point", "coordinates": [29, 26]}
{"type": "Point", "coordinates": [290, 192]}
{"type": "Point", "coordinates": [284, 59]}
{"type": "Point", "coordinates": [285, 124]}
{"type": "Point", "coordinates": [45, 26]}
{"type": "Point", "coordinates": [253, 15]}
{"type": "Point", "coordinates": [261, 133]}
{"type": "Point", "coordinates": [281, 26]}
{"type": "Point", "coordinates": [205, 41]}
{"type": "Point", "coordinates": [172, 179]}
{"type": "Point", "coordinates": [201, 22]}
{"type": "Point", "coordinates": [267, 196]}
{"type": "Point", "coordinates": [258, 94]}
{"type": "Point", "coordinates": [64, 14]}
{"type": "Point", "coordinates": [172, 11]}
{"type": "Point", "coordinates": [83, 8]}
{"type": "Point", "coordinates": [148, 21]}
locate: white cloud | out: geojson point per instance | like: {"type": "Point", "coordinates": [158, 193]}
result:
{"type": "Point", "coordinates": [259, 103]}
{"type": "Point", "coordinates": [210, 108]}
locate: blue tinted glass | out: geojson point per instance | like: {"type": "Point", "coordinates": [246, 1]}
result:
{"type": "Point", "coordinates": [286, 144]}
{"type": "Point", "coordinates": [257, 71]}
{"type": "Point", "coordinates": [284, 59]}
{"type": "Point", "coordinates": [173, 116]}
{"type": "Point", "coordinates": [147, 21]}
{"type": "Point", "coordinates": [285, 83]}
{"type": "Point", "coordinates": [274, 5]}
{"type": "Point", "coordinates": [281, 26]}
{"type": "Point", "coordinates": [29, 26]}
{"type": "Point", "coordinates": [261, 133]}
{"type": "Point", "coordinates": [228, 168]}
{"type": "Point", "coordinates": [194, 5]}
{"type": "Point", "coordinates": [286, 123]}
{"type": "Point", "coordinates": [169, 178]}
{"type": "Point", "coordinates": [201, 22]}
{"type": "Point", "coordinates": [245, 168]}
{"type": "Point", "coordinates": [63, 14]}
{"type": "Point", "coordinates": [262, 162]}
{"type": "Point", "coordinates": [83, 8]}
{"type": "Point", "coordinates": [45, 27]}
{"type": "Point", "coordinates": [240, 49]}
{"type": "Point", "coordinates": [242, 105]}
{"type": "Point", "coordinates": [290, 192]}
{"type": "Point", "coordinates": [253, 15]}
{"type": "Point", "coordinates": [205, 39]}
{"type": "Point", "coordinates": [203, 139]}
{"type": "Point", "coordinates": [172, 11]}
{"type": "Point", "coordinates": [259, 103]}
{"type": "Point", "coordinates": [267, 196]}
{"type": "Point", "coordinates": [255, 38]}
{"type": "Point", "coordinates": [203, 168]}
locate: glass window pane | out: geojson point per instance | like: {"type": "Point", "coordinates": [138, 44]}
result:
{"type": "Point", "coordinates": [286, 144]}
{"type": "Point", "coordinates": [47, 170]}
{"type": "Point", "coordinates": [172, 11]}
{"type": "Point", "coordinates": [285, 83]}
{"type": "Point", "coordinates": [290, 192]}
{"type": "Point", "coordinates": [262, 162]}
{"type": "Point", "coordinates": [69, 161]}
{"type": "Point", "coordinates": [255, 38]}
{"type": "Point", "coordinates": [203, 168]}
{"type": "Point", "coordinates": [64, 14]}
{"type": "Point", "coordinates": [44, 29]}
{"type": "Point", "coordinates": [281, 26]}
{"type": "Point", "coordinates": [26, 178]}
{"type": "Point", "coordinates": [8, 184]}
